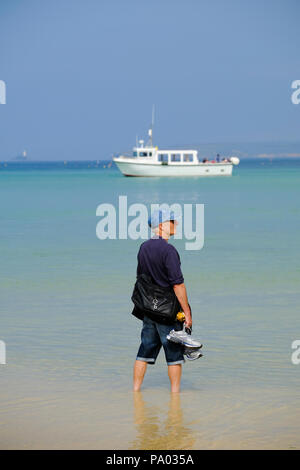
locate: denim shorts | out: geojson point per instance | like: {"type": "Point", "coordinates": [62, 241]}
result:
{"type": "Point", "coordinates": [154, 336]}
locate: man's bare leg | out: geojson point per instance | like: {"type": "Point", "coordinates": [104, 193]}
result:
{"type": "Point", "coordinates": [139, 371]}
{"type": "Point", "coordinates": [175, 376]}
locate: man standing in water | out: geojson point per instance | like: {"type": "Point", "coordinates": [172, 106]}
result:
{"type": "Point", "coordinates": [161, 261]}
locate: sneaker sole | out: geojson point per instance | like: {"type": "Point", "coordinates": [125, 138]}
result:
{"type": "Point", "coordinates": [194, 358]}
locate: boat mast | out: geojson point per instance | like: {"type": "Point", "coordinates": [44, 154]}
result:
{"type": "Point", "coordinates": [150, 131]}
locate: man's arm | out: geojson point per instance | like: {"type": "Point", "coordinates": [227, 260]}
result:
{"type": "Point", "coordinates": [180, 292]}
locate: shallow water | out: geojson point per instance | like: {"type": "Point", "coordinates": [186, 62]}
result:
{"type": "Point", "coordinates": [70, 338]}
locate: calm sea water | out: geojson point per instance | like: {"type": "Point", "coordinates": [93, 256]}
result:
{"type": "Point", "coordinates": [71, 341]}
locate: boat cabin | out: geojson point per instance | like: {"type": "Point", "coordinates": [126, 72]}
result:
{"type": "Point", "coordinates": [165, 156]}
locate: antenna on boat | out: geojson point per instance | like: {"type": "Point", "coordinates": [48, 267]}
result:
{"type": "Point", "coordinates": [153, 109]}
{"type": "Point", "coordinates": [150, 131]}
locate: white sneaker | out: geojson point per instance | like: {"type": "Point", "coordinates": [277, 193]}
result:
{"type": "Point", "coordinates": [182, 337]}
{"type": "Point", "coordinates": [191, 354]}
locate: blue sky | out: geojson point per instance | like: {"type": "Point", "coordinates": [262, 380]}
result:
{"type": "Point", "coordinates": [82, 76]}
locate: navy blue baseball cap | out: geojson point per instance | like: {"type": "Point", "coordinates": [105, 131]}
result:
{"type": "Point", "coordinates": [159, 216]}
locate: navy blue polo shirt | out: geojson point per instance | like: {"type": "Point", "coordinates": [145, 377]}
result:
{"type": "Point", "coordinates": [159, 259]}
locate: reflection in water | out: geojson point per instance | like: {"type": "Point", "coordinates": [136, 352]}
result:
{"type": "Point", "coordinates": [156, 431]}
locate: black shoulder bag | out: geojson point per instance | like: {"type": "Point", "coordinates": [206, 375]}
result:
{"type": "Point", "coordinates": [158, 303]}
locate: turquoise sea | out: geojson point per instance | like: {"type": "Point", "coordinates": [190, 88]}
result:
{"type": "Point", "coordinates": [71, 340]}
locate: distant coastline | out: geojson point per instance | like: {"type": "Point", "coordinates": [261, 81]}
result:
{"type": "Point", "coordinates": [100, 162]}
{"type": "Point", "coordinates": [278, 155]}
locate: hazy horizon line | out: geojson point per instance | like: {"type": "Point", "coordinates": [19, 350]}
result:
{"type": "Point", "coordinates": [248, 157]}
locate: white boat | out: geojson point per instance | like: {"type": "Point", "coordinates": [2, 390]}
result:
{"type": "Point", "coordinates": [151, 161]}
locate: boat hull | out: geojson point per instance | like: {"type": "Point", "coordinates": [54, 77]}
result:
{"type": "Point", "coordinates": [154, 169]}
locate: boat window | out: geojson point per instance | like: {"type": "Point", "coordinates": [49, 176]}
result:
{"type": "Point", "coordinates": [135, 154]}
{"type": "Point", "coordinates": [162, 157]}
{"type": "Point", "coordinates": [175, 157]}
{"type": "Point", "coordinates": [143, 154]}
{"type": "Point", "coordinates": [188, 157]}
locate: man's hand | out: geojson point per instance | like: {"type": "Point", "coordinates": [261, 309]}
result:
{"type": "Point", "coordinates": [188, 320]}
{"type": "Point", "coordinates": [180, 292]}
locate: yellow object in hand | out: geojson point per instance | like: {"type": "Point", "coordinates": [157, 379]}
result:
{"type": "Point", "coordinates": [180, 316]}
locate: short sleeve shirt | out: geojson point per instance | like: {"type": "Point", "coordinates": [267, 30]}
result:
{"type": "Point", "coordinates": [160, 260]}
